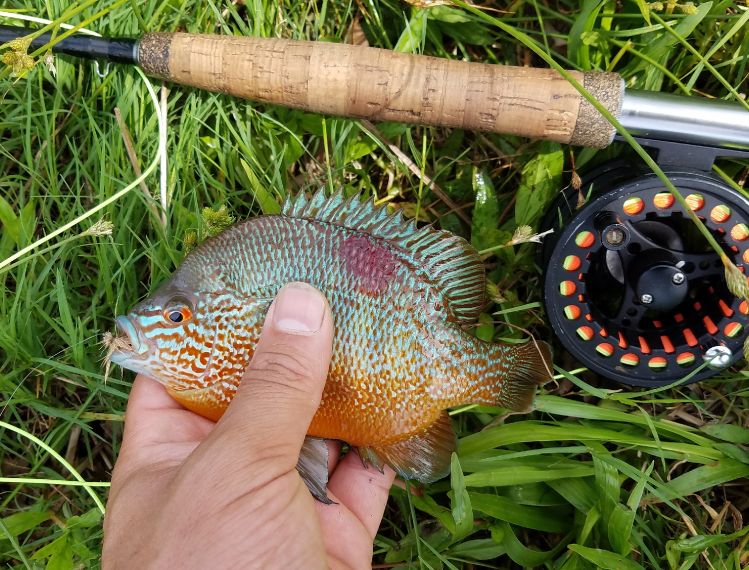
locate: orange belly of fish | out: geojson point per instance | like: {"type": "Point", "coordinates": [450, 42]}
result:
{"type": "Point", "coordinates": [360, 420]}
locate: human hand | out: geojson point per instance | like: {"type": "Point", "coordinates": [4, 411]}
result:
{"type": "Point", "coordinates": [188, 493]}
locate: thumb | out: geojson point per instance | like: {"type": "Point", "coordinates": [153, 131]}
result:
{"type": "Point", "coordinates": [281, 388]}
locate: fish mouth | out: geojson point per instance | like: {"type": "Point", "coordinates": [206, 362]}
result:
{"type": "Point", "coordinates": [128, 345]}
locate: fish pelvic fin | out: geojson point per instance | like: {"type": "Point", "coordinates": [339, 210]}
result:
{"type": "Point", "coordinates": [424, 456]}
{"type": "Point", "coordinates": [313, 468]}
{"type": "Point", "coordinates": [512, 374]}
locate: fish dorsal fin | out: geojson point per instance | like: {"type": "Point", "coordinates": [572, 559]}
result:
{"type": "Point", "coordinates": [447, 259]}
{"type": "Point", "coordinates": [424, 457]}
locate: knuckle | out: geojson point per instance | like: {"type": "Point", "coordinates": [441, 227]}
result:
{"type": "Point", "coordinates": [282, 366]}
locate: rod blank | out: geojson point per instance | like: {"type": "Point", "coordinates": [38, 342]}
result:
{"type": "Point", "coordinates": [111, 49]}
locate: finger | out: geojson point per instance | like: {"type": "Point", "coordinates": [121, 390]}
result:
{"type": "Point", "coordinates": [363, 490]}
{"type": "Point", "coordinates": [281, 388]}
{"type": "Point", "coordinates": [147, 396]}
{"type": "Point", "coordinates": [152, 416]}
{"type": "Point", "coordinates": [334, 455]}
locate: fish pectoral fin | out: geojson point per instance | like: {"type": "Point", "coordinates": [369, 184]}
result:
{"type": "Point", "coordinates": [313, 468]}
{"type": "Point", "coordinates": [424, 456]}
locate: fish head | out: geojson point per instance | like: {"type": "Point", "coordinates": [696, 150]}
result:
{"type": "Point", "coordinates": [187, 338]}
{"type": "Point", "coordinates": [161, 337]}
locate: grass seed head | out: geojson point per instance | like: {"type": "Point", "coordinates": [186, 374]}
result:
{"type": "Point", "coordinates": [17, 57]}
{"type": "Point", "coordinates": [577, 181]}
{"type": "Point", "coordinates": [688, 8]}
{"type": "Point", "coordinates": [493, 292]}
{"type": "Point", "coordinates": [49, 62]}
{"type": "Point", "coordinates": [190, 241]}
{"type": "Point", "coordinates": [216, 221]}
{"type": "Point", "coordinates": [736, 281]}
{"type": "Point", "coordinates": [100, 228]}
{"type": "Point", "coordinates": [524, 234]}
{"type": "Point", "coordinates": [112, 343]}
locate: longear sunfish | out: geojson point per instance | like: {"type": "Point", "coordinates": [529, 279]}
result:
{"type": "Point", "coordinates": [401, 297]}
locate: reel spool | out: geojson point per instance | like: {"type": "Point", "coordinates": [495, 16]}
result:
{"type": "Point", "coordinates": [633, 290]}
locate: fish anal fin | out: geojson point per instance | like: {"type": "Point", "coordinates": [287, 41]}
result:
{"type": "Point", "coordinates": [447, 260]}
{"type": "Point", "coordinates": [369, 457]}
{"type": "Point", "coordinates": [313, 468]}
{"type": "Point", "coordinates": [424, 456]}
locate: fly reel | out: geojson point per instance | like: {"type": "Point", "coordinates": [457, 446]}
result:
{"type": "Point", "coordinates": [632, 288]}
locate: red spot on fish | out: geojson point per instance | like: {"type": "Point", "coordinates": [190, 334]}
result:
{"type": "Point", "coordinates": [371, 265]}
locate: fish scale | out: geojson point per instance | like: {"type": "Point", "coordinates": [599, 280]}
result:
{"type": "Point", "coordinates": [400, 298]}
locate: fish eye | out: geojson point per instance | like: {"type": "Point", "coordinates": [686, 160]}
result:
{"type": "Point", "coordinates": [177, 313]}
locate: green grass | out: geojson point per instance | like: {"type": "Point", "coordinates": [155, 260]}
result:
{"type": "Point", "coordinates": [596, 475]}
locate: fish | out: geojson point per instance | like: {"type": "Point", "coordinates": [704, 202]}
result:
{"type": "Point", "coordinates": [402, 298]}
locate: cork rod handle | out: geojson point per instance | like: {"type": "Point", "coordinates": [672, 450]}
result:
{"type": "Point", "coordinates": [382, 85]}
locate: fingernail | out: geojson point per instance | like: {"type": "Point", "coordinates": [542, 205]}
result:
{"type": "Point", "coordinates": [298, 309]}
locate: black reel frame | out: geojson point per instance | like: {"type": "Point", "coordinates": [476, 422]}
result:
{"type": "Point", "coordinates": [632, 289]}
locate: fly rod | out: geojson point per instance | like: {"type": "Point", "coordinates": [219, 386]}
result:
{"type": "Point", "coordinates": [382, 85]}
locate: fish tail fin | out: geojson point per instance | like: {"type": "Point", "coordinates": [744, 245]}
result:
{"type": "Point", "coordinates": [512, 374]}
